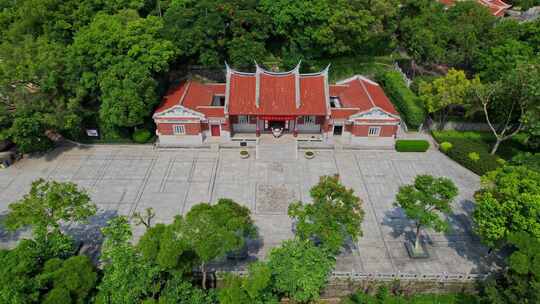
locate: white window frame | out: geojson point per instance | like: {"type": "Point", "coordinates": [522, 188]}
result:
{"type": "Point", "coordinates": [310, 120]}
{"type": "Point", "coordinates": [179, 129]}
{"type": "Point", "coordinates": [374, 131]}
{"type": "Point", "coordinates": [243, 119]}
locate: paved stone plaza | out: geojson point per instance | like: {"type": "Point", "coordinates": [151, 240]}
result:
{"type": "Point", "coordinates": [125, 179]}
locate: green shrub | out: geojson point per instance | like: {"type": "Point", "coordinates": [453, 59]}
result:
{"type": "Point", "coordinates": [407, 103]}
{"type": "Point", "coordinates": [474, 156]}
{"type": "Point", "coordinates": [446, 146]}
{"type": "Point", "coordinates": [141, 136]}
{"type": "Point", "coordinates": [466, 143]}
{"type": "Point", "coordinates": [412, 145]}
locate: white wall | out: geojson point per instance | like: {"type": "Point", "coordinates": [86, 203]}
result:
{"type": "Point", "coordinates": [180, 140]}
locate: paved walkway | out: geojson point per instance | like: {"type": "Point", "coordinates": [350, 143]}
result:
{"type": "Point", "coordinates": [124, 179]}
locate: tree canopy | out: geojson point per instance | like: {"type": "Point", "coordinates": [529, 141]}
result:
{"type": "Point", "coordinates": [425, 201]}
{"type": "Point", "coordinates": [334, 217]}
{"type": "Point", "coordinates": [507, 203]}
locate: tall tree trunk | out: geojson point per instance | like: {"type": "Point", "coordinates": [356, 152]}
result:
{"type": "Point", "coordinates": [496, 146]}
{"type": "Point", "coordinates": [203, 269]}
{"type": "Point", "coordinates": [417, 244]}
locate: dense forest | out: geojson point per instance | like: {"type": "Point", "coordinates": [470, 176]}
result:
{"type": "Point", "coordinates": [71, 65]}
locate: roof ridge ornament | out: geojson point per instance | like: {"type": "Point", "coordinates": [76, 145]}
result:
{"type": "Point", "coordinates": [258, 71]}
{"type": "Point", "coordinates": [296, 72]}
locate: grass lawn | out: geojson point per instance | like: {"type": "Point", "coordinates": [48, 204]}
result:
{"type": "Point", "coordinates": [345, 67]}
{"type": "Point", "coordinates": [466, 142]}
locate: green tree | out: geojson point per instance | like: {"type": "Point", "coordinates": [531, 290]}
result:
{"type": "Point", "coordinates": [443, 92]}
{"type": "Point", "coordinates": [424, 201]}
{"type": "Point", "coordinates": [17, 274]}
{"type": "Point", "coordinates": [507, 203]}
{"type": "Point", "coordinates": [312, 29]}
{"type": "Point", "coordinates": [47, 205]}
{"type": "Point", "coordinates": [300, 270]}
{"type": "Point", "coordinates": [211, 31]}
{"type": "Point", "coordinates": [433, 34]}
{"type": "Point", "coordinates": [334, 216]}
{"type": "Point", "coordinates": [112, 62]}
{"type": "Point", "coordinates": [215, 230]}
{"type": "Point", "coordinates": [501, 59]}
{"type": "Point", "coordinates": [520, 282]}
{"type": "Point", "coordinates": [71, 280]}
{"type": "Point", "coordinates": [509, 105]}
{"type": "Point", "coordinates": [128, 278]}
{"type": "Point", "coordinates": [255, 288]}
{"type": "Point", "coordinates": [168, 248]}
{"type": "Point", "coordinates": [177, 290]}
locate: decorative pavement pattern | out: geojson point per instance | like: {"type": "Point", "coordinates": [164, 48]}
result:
{"type": "Point", "coordinates": [125, 179]}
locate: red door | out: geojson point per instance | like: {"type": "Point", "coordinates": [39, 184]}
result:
{"type": "Point", "coordinates": [214, 130]}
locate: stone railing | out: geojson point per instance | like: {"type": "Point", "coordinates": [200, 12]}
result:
{"type": "Point", "coordinates": [393, 276]}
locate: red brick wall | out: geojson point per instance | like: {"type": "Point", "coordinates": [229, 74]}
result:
{"type": "Point", "coordinates": [167, 128]}
{"type": "Point", "coordinates": [363, 130]}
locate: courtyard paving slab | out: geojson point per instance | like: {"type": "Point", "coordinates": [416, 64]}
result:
{"type": "Point", "coordinates": [124, 179]}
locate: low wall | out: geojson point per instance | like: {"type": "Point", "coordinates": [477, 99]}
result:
{"type": "Point", "coordinates": [338, 287]}
{"type": "Point", "coordinates": [461, 126]}
{"type": "Point", "coordinates": [342, 284]}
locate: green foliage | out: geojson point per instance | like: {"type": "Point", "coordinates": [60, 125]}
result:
{"type": "Point", "coordinates": [433, 34]}
{"type": "Point", "coordinates": [334, 217]}
{"type": "Point", "coordinates": [127, 276]}
{"type": "Point", "coordinates": [425, 201]}
{"type": "Point", "coordinates": [141, 136]}
{"type": "Point", "coordinates": [46, 206]}
{"type": "Point", "coordinates": [165, 246]}
{"type": "Point", "coordinates": [71, 280]}
{"type": "Point", "coordinates": [19, 267]}
{"type": "Point", "coordinates": [113, 60]}
{"type": "Point", "coordinates": [300, 269]}
{"type": "Point", "coordinates": [501, 59]}
{"type": "Point", "coordinates": [363, 298]}
{"type": "Point", "coordinates": [412, 145]}
{"type": "Point", "coordinates": [464, 143]}
{"type": "Point", "coordinates": [446, 146]}
{"type": "Point", "coordinates": [445, 91]}
{"type": "Point", "coordinates": [507, 203]}
{"type": "Point", "coordinates": [177, 290]}
{"type": "Point", "coordinates": [312, 29]}
{"type": "Point", "coordinates": [408, 104]}
{"type": "Point", "coordinates": [520, 282]}
{"type": "Point", "coordinates": [215, 230]}
{"type": "Point", "coordinates": [255, 288]}
{"type": "Point", "coordinates": [474, 156]}
{"type": "Point", "coordinates": [529, 160]}
{"type": "Point", "coordinates": [29, 135]}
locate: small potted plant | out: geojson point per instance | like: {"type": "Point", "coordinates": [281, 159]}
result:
{"type": "Point", "coordinates": [244, 154]}
{"type": "Point", "coordinates": [309, 154]}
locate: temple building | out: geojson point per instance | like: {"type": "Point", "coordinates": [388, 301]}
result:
{"type": "Point", "coordinates": [496, 7]}
{"type": "Point", "coordinates": [354, 111]}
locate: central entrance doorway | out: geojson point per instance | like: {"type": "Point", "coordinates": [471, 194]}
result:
{"type": "Point", "coordinates": [282, 122]}
{"type": "Point", "coordinates": [276, 124]}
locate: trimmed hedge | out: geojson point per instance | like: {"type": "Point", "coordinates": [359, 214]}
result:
{"type": "Point", "coordinates": [407, 103]}
{"type": "Point", "coordinates": [412, 145]}
{"type": "Point", "coordinates": [466, 144]}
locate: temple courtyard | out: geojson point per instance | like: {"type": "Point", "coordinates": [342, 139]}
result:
{"type": "Point", "coordinates": [125, 179]}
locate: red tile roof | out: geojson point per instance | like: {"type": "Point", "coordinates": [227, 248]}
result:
{"type": "Point", "coordinates": [497, 7]}
{"type": "Point", "coordinates": [363, 94]}
{"type": "Point", "coordinates": [277, 94]}
{"type": "Point", "coordinates": [172, 97]}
